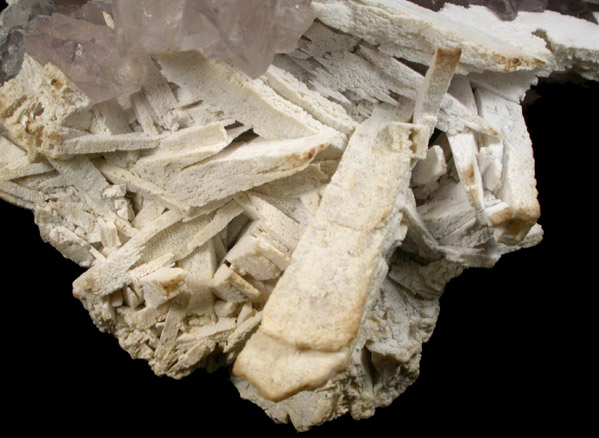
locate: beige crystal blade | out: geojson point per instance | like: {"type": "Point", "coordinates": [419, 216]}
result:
{"type": "Point", "coordinates": [435, 85]}
{"type": "Point", "coordinates": [251, 102]}
{"type": "Point", "coordinates": [239, 167]}
{"type": "Point", "coordinates": [518, 187]}
{"type": "Point", "coordinates": [314, 312]}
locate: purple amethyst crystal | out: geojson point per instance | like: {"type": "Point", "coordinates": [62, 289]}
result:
{"type": "Point", "coordinates": [85, 53]}
{"type": "Point", "coordinates": [247, 33]}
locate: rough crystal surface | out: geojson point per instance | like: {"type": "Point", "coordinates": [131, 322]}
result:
{"type": "Point", "coordinates": [86, 53]}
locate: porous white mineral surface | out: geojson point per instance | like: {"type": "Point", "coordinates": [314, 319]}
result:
{"type": "Point", "coordinates": [299, 226]}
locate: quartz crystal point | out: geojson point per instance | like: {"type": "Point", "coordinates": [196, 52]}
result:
{"type": "Point", "coordinates": [86, 53]}
{"type": "Point", "coordinates": [300, 226]}
{"type": "Point", "coordinates": [247, 33]}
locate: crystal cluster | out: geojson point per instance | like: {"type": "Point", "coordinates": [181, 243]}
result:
{"type": "Point", "coordinates": [299, 227]}
{"type": "Point", "coordinates": [246, 33]}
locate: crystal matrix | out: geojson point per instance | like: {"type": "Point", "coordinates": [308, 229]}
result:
{"type": "Point", "coordinates": [299, 226]}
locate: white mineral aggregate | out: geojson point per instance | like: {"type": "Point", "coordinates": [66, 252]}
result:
{"type": "Point", "coordinates": [22, 167]}
{"type": "Point", "coordinates": [101, 143]}
{"type": "Point", "coordinates": [565, 42]}
{"type": "Point", "coordinates": [283, 228]}
{"type": "Point", "coordinates": [87, 180]}
{"type": "Point", "coordinates": [453, 115]}
{"type": "Point", "coordinates": [200, 267]}
{"type": "Point", "coordinates": [187, 146]}
{"type": "Point", "coordinates": [135, 184]}
{"type": "Point", "coordinates": [211, 209]}
{"type": "Point", "coordinates": [238, 168]}
{"type": "Point", "coordinates": [398, 323]}
{"type": "Point", "coordinates": [253, 255]}
{"type": "Point", "coordinates": [271, 116]}
{"type": "Point", "coordinates": [323, 110]}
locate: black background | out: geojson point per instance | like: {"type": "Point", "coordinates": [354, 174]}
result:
{"type": "Point", "coordinates": [512, 349]}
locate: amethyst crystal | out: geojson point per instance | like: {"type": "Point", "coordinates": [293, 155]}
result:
{"type": "Point", "coordinates": [151, 26]}
{"type": "Point", "coordinates": [85, 53]}
{"type": "Point", "coordinates": [247, 33]}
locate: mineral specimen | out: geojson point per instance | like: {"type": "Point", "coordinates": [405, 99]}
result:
{"type": "Point", "coordinates": [299, 226]}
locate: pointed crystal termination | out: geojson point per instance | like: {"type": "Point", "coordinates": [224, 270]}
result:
{"type": "Point", "coordinates": [246, 33]}
{"type": "Point", "coordinates": [85, 53]}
